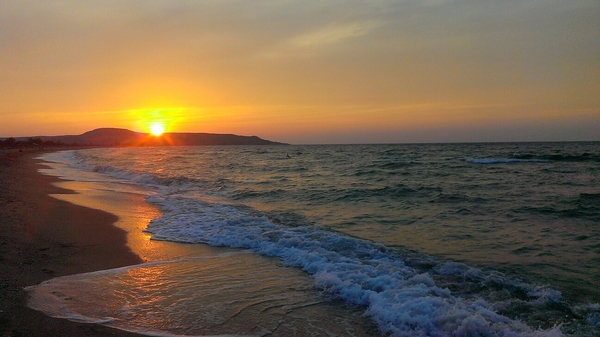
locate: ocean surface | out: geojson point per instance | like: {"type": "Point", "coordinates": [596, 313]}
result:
{"type": "Point", "coordinates": [495, 239]}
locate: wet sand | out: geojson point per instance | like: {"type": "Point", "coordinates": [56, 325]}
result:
{"type": "Point", "coordinates": [42, 237]}
{"type": "Point", "coordinates": [47, 230]}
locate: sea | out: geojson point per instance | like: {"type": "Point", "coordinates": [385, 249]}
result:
{"type": "Point", "coordinates": [475, 239]}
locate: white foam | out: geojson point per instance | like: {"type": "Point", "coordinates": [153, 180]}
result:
{"type": "Point", "coordinates": [67, 166]}
{"type": "Point", "coordinates": [400, 299]}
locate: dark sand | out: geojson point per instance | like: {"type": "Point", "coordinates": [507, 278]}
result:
{"type": "Point", "coordinates": [41, 238]}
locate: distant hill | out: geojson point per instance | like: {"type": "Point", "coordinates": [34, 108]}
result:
{"type": "Point", "coordinates": [124, 137]}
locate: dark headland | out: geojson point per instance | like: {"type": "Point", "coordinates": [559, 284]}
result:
{"type": "Point", "coordinates": [124, 137]}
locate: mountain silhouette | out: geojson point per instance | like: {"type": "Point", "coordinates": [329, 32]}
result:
{"type": "Point", "coordinates": [124, 137]}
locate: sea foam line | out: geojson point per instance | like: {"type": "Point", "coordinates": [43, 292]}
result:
{"type": "Point", "coordinates": [400, 299]}
{"type": "Point", "coordinates": [403, 301]}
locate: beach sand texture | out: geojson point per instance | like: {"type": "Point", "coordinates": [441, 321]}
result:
{"type": "Point", "coordinates": [41, 238]}
{"type": "Point", "coordinates": [52, 228]}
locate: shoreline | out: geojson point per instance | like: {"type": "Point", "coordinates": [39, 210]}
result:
{"type": "Point", "coordinates": [128, 214]}
{"type": "Point", "coordinates": [42, 237]}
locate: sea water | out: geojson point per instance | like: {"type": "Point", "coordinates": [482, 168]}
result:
{"type": "Point", "coordinates": [400, 240]}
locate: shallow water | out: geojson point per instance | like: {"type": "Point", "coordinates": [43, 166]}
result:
{"type": "Point", "coordinates": [437, 239]}
{"type": "Point", "coordinates": [209, 295]}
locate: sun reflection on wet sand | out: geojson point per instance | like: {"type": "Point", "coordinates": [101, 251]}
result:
{"type": "Point", "coordinates": [134, 215]}
{"type": "Point", "coordinates": [189, 289]}
{"type": "Point", "coordinates": [230, 293]}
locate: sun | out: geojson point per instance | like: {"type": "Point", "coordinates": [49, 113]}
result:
{"type": "Point", "coordinates": [157, 129]}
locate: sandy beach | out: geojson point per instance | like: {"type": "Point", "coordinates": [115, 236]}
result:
{"type": "Point", "coordinates": [53, 227]}
{"type": "Point", "coordinates": [41, 238]}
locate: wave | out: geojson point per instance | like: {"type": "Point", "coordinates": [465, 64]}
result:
{"type": "Point", "coordinates": [72, 159]}
{"type": "Point", "coordinates": [395, 192]}
{"type": "Point", "coordinates": [456, 198]}
{"type": "Point", "coordinates": [504, 160]}
{"type": "Point", "coordinates": [584, 206]}
{"type": "Point", "coordinates": [537, 158]}
{"type": "Point", "coordinates": [140, 178]}
{"type": "Point", "coordinates": [405, 296]}
{"type": "Point", "coordinates": [584, 157]}
{"type": "Point", "coordinates": [250, 194]}
{"type": "Point", "coordinates": [168, 184]}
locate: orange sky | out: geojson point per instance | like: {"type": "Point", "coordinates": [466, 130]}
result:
{"type": "Point", "coordinates": [304, 71]}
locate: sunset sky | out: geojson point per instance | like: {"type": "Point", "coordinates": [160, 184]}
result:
{"type": "Point", "coordinates": [327, 71]}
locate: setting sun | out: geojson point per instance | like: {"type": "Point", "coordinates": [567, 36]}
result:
{"type": "Point", "coordinates": [157, 129]}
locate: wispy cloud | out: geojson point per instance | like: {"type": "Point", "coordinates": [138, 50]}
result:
{"type": "Point", "coordinates": [332, 34]}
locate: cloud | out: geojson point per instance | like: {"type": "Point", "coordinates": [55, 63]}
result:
{"type": "Point", "coordinates": [332, 35]}
{"type": "Point", "coordinates": [114, 55]}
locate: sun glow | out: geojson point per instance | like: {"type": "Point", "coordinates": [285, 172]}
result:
{"type": "Point", "coordinates": [156, 121]}
{"type": "Point", "coordinates": [157, 129]}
